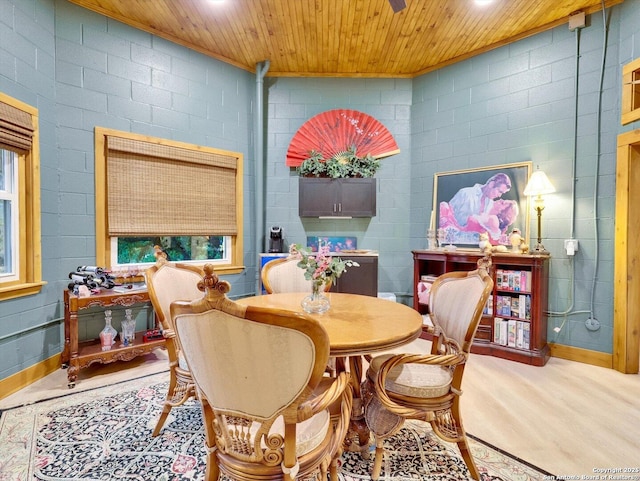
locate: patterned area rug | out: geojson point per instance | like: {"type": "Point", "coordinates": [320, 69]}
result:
{"type": "Point", "coordinates": [106, 434]}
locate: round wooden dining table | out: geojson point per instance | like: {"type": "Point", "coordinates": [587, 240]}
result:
{"type": "Point", "coordinates": [357, 326]}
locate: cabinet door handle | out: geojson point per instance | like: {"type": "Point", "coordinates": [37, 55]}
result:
{"type": "Point", "coordinates": [340, 207]}
{"type": "Point", "coordinates": [334, 208]}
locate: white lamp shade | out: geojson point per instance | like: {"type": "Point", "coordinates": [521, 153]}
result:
{"type": "Point", "coordinates": [539, 184]}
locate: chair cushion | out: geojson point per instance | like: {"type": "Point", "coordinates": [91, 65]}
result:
{"type": "Point", "coordinates": [182, 362]}
{"type": "Point", "coordinates": [417, 346]}
{"type": "Point", "coordinates": [415, 380]}
{"type": "Point", "coordinates": [309, 433]}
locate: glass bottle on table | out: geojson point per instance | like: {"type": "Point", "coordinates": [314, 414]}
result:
{"type": "Point", "coordinates": [108, 333]}
{"type": "Point", "coordinates": [128, 329]}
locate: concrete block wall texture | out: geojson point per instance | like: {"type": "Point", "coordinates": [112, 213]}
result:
{"type": "Point", "coordinates": [103, 73]}
{"type": "Point", "coordinates": [518, 103]}
{"type": "Point", "coordinates": [291, 102]}
{"type": "Point", "coordinates": [132, 81]}
{"type": "Point", "coordinates": [27, 59]}
{"type": "Point", "coordinates": [511, 104]}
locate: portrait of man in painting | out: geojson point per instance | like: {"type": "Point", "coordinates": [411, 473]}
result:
{"type": "Point", "coordinates": [469, 203]}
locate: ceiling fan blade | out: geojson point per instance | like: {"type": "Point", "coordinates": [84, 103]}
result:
{"type": "Point", "coordinates": [398, 5]}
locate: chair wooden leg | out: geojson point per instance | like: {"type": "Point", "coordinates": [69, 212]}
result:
{"type": "Point", "coordinates": [166, 407]}
{"type": "Point", "coordinates": [377, 463]}
{"type": "Point", "coordinates": [180, 389]}
{"type": "Point", "coordinates": [212, 470]}
{"type": "Point", "coordinates": [463, 445]}
{"type": "Point", "coordinates": [333, 470]}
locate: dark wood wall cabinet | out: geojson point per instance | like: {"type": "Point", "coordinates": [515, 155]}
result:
{"type": "Point", "coordinates": [359, 280]}
{"type": "Point", "coordinates": [514, 324]}
{"type": "Point", "coordinates": [325, 197]}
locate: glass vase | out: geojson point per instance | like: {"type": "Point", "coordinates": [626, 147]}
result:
{"type": "Point", "coordinates": [431, 240]}
{"type": "Point", "coordinates": [108, 333]}
{"type": "Point", "coordinates": [128, 329]}
{"type": "Point", "coordinates": [316, 302]}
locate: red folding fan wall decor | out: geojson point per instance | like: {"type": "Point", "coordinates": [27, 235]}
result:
{"type": "Point", "coordinates": [336, 131]}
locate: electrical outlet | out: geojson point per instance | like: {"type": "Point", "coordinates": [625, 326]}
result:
{"type": "Point", "coordinates": [592, 324]}
{"type": "Point", "coordinates": [571, 246]}
{"type": "Point", "coordinates": [577, 20]}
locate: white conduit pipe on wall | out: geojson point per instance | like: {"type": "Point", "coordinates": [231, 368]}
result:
{"type": "Point", "coordinates": [572, 287]}
{"type": "Point", "coordinates": [261, 70]}
{"type": "Point", "coordinates": [569, 310]}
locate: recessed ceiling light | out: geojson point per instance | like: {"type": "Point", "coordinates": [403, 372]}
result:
{"type": "Point", "coordinates": [482, 3]}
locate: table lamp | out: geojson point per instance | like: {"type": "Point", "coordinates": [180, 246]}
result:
{"type": "Point", "coordinates": [538, 186]}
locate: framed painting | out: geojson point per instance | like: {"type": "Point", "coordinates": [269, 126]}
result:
{"type": "Point", "coordinates": [470, 202]}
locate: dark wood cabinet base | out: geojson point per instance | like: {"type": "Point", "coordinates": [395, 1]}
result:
{"type": "Point", "coordinates": [534, 357]}
{"type": "Point", "coordinates": [361, 280]}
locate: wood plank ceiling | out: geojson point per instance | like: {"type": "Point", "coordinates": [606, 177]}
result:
{"type": "Point", "coordinates": [342, 38]}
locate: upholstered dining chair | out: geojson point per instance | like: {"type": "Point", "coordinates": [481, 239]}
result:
{"type": "Point", "coordinates": [428, 386]}
{"type": "Point", "coordinates": [284, 275]}
{"type": "Point", "coordinates": [168, 282]}
{"type": "Point", "coordinates": [269, 412]}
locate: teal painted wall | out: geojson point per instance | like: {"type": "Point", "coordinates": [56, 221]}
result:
{"type": "Point", "coordinates": [103, 73]}
{"type": "Point", "coordinates": [518, 103]}
{"type": "Point", "coordinates": [30, 326]}
{"type": "Point", "coordinates": [293, 101]}
{"type": "Point", "coordinates": [515, 103]}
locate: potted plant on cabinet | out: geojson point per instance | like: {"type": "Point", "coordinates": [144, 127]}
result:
{"type": "Point", "coordinates": [342, 165]}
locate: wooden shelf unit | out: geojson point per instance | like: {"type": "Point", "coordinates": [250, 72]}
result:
{"type": "Point", "coordinates": [437, 262]}
{"type": "Point", "coordinates": [79, 355]}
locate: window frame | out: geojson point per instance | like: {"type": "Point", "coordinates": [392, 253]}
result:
{"type": "Point", "coordinates": [198, 262]}
{"type": "Point", "coordinates": [28, 269]}
{"type": "Point", "coordinates": [104, 241]}
{"type": "Point", "coordinates": [10, 195]}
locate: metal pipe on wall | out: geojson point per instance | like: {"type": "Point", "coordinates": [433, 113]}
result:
{"type": "Point", "coordinates": [261, 70]}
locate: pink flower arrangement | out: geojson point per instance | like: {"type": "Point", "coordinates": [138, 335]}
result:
{"type": "Point", "coordinates": [322, 268]}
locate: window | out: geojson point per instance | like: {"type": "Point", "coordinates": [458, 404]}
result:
{"type": "Point", "coordinates": [8, 216]}
{"type": "Point", "coordinates": [139, 250]}
{"type": "Point", "coordinates": [20, 259]}
{"type": "Point", "coordinates": [631, 92]}
{"type": "Point", "coordinates": [185, 198]}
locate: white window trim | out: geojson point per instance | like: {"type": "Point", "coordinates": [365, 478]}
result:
{"type": "Point", "coordinates": [11, 195]}
{"type": "Point", "coordinates": [29, 264]}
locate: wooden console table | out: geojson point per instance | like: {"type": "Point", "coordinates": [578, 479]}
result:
{"type": "Point", "coordinates": [78, 355]}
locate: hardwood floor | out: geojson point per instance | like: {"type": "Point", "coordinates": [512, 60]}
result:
{"type": "Point", "coordinates": [567, 418]}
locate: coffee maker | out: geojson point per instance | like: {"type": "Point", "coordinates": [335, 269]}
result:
{"type": "Point", "coordinates": [275, 239]}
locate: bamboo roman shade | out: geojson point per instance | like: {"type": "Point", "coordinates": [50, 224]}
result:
{"type": "Point", "coordinates": [16, 129]}
{"type": "Point", "coordinates": [155, 189]}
